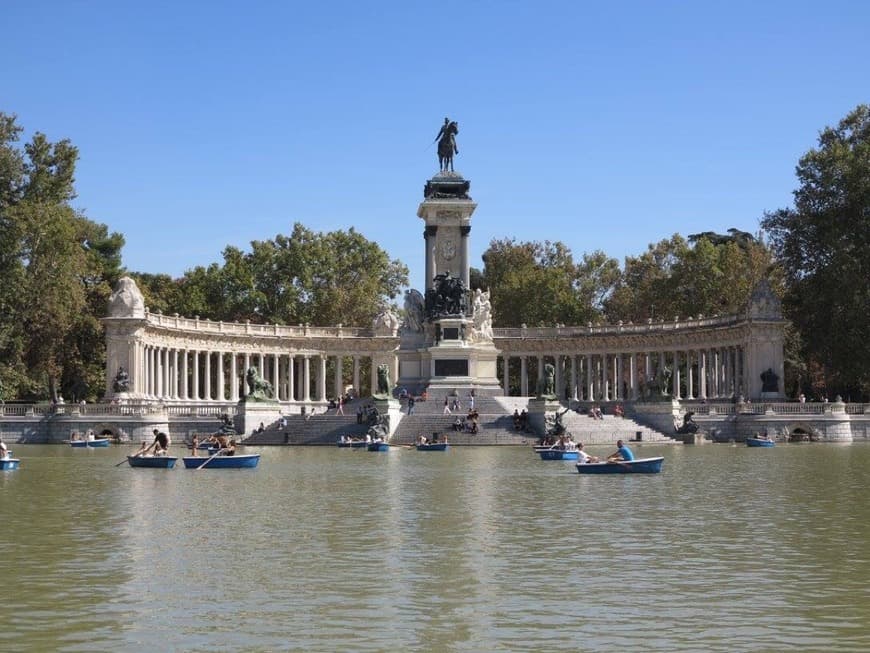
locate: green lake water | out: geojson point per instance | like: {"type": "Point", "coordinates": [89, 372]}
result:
{"type": "Point", "coordinates": [475, 549]}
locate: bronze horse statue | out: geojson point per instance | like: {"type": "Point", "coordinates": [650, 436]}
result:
{"type": "Point", "coordinates": [447, 144]}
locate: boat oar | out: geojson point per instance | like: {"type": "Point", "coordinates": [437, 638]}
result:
{"type": "Point", "coordinates": [212, 457]}
{"type": "Point", "coordinates": [134, 456]}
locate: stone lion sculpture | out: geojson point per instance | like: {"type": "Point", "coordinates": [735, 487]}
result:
{"type": "Point", "coordinates": [258, 388]}
{"type": "Point", "coordinates": [126, 300]}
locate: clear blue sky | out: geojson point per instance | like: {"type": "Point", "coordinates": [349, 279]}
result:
{"type": "Point", "coordinates": [606, 125]}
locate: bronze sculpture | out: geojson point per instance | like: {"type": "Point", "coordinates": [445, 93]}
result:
{"type": "Point", "coordinates": [447, 144]}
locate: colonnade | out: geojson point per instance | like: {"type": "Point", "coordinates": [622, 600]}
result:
{"type": "Point", "coordinates": [184, 374]}
{"type": "Point", "coordinates": [707, 373]}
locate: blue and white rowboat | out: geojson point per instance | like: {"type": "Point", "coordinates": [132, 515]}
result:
{"type": "Point", "coordinates": [636, 466]}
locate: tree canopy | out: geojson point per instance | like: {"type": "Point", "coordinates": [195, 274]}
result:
{"type": "Point", "coordinates": [823, 244]}
{"type": "Point", "coordinates": [58, 268]}
{"type": "Point", "coordinates": [324, 279]}
{"type": "Point", "coordinates": [538, 283]}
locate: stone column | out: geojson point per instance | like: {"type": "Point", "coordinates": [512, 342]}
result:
{"type": "Point", "coordinates": [429, 238]}
{"type": "Point", "coordinates": [158, 368]}
{"type": "Point", "coordinates": [339, 375]}
{"type": "Point", "coordinates": [321, 377]}
{"type": "Point", "coordinates": [219, 395]}
{"type": "Point", "coordinates": [505, 376]}
{"type": "Point", "coordinates": [559, 380]}
{"type": "Point", "coordinates": [590, 380]}
{"type": "Point", "coordinates": [373, 379]}
{"type": "Point", "coordinates": [617, 382]}
{"type": "Point", "coordinates": [702, 373]}
{"type": "Point", "coordinates": [184, 381]}
{"type": "Point", "coordinates": [690, 390]}
{"type": "Point", "coordinates": [463, 254]}
{"type": "Point", "coordinates": [208, 391]}
{"type": "Point", "coordinates": [356, 375]}
{"type": "Point", "coordinates": [291, 378]}
{"type": "Point", "coordinates": [540, 374]}
{"type": "Point", "coordinates": [676, 375]}
{"type": "Point", "coordinates": [195, 385]}
{"type": "Point", "coordinates": [275, 376]}
{"type": "Point", "coordinates": [306, 378]}
{"type": "Point", "coordinates": [575, 381]}
{"type": "Point", "coordinates": [632, 375]}
{"type": "Point", "coordinates": [524, 376]}
{"type": "Point", "coordinates": [234, 375]}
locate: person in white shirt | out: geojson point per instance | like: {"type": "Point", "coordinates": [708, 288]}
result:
{"type": "Point", "coordinates": [585, 457]}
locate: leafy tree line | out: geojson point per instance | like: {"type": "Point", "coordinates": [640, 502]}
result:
{"type": "Point", "coordinates": [823, 245]}
{"type": "Point", "coordinates": [58, 269]}
{"type": "Point", "coordinates": [331, 278]}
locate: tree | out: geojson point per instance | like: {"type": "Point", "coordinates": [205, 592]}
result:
{"type": "Point", "coordinates": [823, 244]}
{"type": "Point", "coordinates": [57, 268]}
{"type": "Point", "coordinates": [715, 276]}
{"type": "Point", "coordinates": [537, 283]}
{"type": "Point", "coordinates": [331, 278]}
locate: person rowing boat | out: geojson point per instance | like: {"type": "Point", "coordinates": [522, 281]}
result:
{"type": "Point", "coordinates": [622, 453]}
{"type": "Point", "coordinates": [160, 445]}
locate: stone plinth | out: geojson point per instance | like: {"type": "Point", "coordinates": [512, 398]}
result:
{"type": "Point", "coordinates": [538, 412]}
{"type": "Point", "coordinates": [251, 414]}
{"type": "Point", "coordinates": [392, 408]}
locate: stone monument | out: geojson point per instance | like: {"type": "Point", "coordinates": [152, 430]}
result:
{"type": "Point", "coordinates": [446, 338]}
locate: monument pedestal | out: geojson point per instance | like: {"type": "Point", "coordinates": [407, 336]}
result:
{"type": "Point", "coordinates": [250, 414]}
{"type": "Point", "coordinates": [392, 409]}
{"type": "Point", "coordinates": [541, 412]}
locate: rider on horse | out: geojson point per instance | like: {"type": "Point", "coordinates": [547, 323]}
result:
{"type": "Point", "coordinates": [447, 143]}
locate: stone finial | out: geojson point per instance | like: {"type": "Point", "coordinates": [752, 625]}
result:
{"type": "Point", "coordinates": [763, 304]}
{"type": "Point", "coordinates": [126, 300]}
{"type": "Point", "coordinates": [385, 323]}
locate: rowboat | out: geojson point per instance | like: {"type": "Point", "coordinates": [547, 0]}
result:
{"type": "Point", "coordinates": [222, 462]}
{"type": "Point", "coordinates": [81, 444]}
{"type": "Point", "coordinates": [557, 454]}
{"type": "Point", "coordinates": [159, 462]}
{"type": "Point", "coordinates": [9, 463]}
{"type": "Point", "coordinates": [432, 446]}
{"type": "Point", "coordinates": [636, 466]}
{"type": "Point", "coordinates": [759, 442]}
{"type": "Point", "coordinates": [351, 444]}
{"type": "Point", "coordinates": [378, 446]}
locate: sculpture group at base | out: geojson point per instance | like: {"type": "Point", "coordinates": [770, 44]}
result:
{"type": "Point", "coordinates": [447, 296]}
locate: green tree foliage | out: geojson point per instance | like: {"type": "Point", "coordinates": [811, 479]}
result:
{"type": "Point", "coordinates": [57, 268]}
{"type": "Point", "coordinates": [824, 245]}
{"type": "Point", "coordinates": [323, 279]}
{"type": "Point", "coordinates": [536, 283]}
{"type": "Point", "coordinates": [674, 278]}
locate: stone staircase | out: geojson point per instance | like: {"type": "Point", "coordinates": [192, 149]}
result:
{"type": "Point", "coordinates": [609, 429]}
{"type": "Point", "coordinates": [317, 429]}
{"type": "Point", "coordinates": [496, 425]}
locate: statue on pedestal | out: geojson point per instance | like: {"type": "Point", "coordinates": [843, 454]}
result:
{"type": "Point", "coordinates": [769, 381]}
{"type": "Point", "coordinates": [447, 296]}
{"type": "Point", "coordinates": [689, 425]}
{"type": "Point", "coordinates": [414, 310]}
{"type": "Point", "coordinates": [383, 379]}
{"type": "Point", "coordinates": [122, 381]}
{"type": "Point", "coordinates": [259, 389]}
{"type": "Point", "coordinates": [547, 384]}
{"type": "Point", "coordinates": [447, 144]}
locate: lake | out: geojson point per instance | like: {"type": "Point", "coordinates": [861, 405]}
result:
{"type": "Point", "coordinates": [473, 549]}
